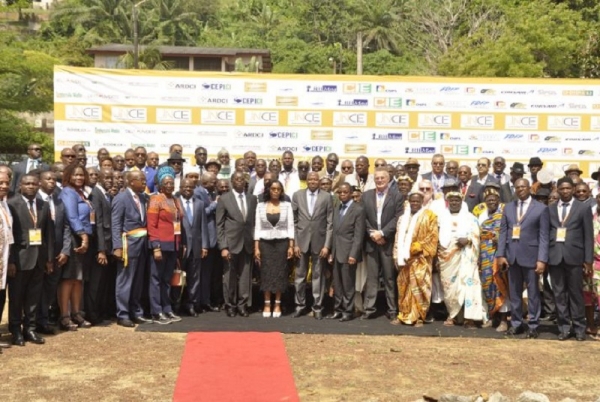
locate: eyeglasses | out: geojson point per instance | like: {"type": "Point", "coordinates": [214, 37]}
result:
{"type": "Point", "coordinates": [438, 163]}
{"type": "Point", "coordinates": [425, 188]}
{"type": "Point", "coordinates": [68, 156]}
{"type": "Point", "coordinates": [140, 154]}
{"type": "Point", "coordinates": [201, 153]}
{"type": "Point", "coordinates": [346, 167]}
{"type": "Point", "coordinates": [482, 164]}
{"type": "Point", "coordinates": [35, 149]}
{"type": "Point", "coordinates": [176, 162]}
{"type": "Point", "coordinates": [380, 164]}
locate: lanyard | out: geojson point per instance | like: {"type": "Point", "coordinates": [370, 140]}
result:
{"type": "Point", "coordinates": [82, 196]}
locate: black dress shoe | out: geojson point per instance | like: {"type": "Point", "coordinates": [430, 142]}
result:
{"type": "Point", "coordinates": [141, 320]}
{"type": "Point", "coordinates": [298, 313]}
{"type": "Point", "coordinates": [33, 337]}
{"type": "Point", "coordinates": [580, 337]}
{"type": "Point", "coordinates": [125, 323]}
{"type": "Point", "coordinates": [161, 319]}
{"type": "Point", "coordinates": [174, 318]}
{"type": "Point", "coordinates": [206, 307]}
{"type": "Point", "coordinates": [243, 311]}
{"type": "Point", "coordinates": [334, 316]}
{"type": "Point", "coordinates": [192, 312]}
{"type": "Point", "coordinates": [4, 345]}
{"type": "Point", "coordinates": [45, 329]}
{"type": "Point", "coordinates": [532, 334]}
{"type": "Point", "coordinates": [18, 340]}
{"type": "Point", "coordinates": [318, 315]}
{"type": "Point", "coordinates": [231, 312]}
{"type": "Point", "coordinates": [563, 336]}
{"type": "Point", "coordinates": [366, 316]}
{"type": "Point", "coordinates": [346, 317]}
{"type": "Point", "coordinates": [515, 331]}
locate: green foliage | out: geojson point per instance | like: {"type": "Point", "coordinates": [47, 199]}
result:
{"type": "Point", "coordinates": [16, 134]}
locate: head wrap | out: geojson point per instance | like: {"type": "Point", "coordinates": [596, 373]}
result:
{"type": "Point", "coordinates": [406, 178]}
{"type": "Point", "coordinates": [490, 191]}
{"type": "Point", "coordinates": [416, 192]}
{"type": "Point", "coordinates": [454, 194]}
{"type": "Point", "coordinates": [164, 172]}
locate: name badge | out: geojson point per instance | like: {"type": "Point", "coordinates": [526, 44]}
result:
{"type": "Point", "coordinates": [177, 227]}
{"type": "Point", "coordinates": [516, 233]}
{"type": "Point", "coordinates": [93, 217]}
{"type": "Point", "coordinates": [561, 235]}
{"type": "Point", "coordinates": [35, 237]}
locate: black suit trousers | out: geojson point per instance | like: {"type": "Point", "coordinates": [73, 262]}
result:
{"type": "Point", "coordinates": [95, 290]}
{"type": "Point", "coordinates": [567, 284]}
{"type": "Point", "coordinates": [344, 282]}
{"type": "Point", "coordinates": [23, 298]}
{"type": "Point", "coordinates": [377, 260]}
{"type": "Point", "coordinates": [48, 295]}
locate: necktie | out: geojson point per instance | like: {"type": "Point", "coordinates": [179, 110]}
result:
{"type": "Point", "coordinates": [343, 210]}
{"type": "Point", "coordinates": [565, 205]}
{"type": "Point", "coordinates": [521, 208]}
{"type": "Point", "coordinates": [138, 204]}
{"type": "Point", "coordinates": [32, 165]}
{"type": "Point", "coordinates": [242, 206]}
{"type": "Point", "coordinates": [188, 212]}
{"type": "Point", "coordinates": [32, 212]}
{"type": "Point", "coordinates": [379, 198]}
{"type": "Point", "coordinates": [312, 204]}
{"type": "Point", "coordinates": [51, 205]}
{"type": "Point", "coordinates": [498, 176]}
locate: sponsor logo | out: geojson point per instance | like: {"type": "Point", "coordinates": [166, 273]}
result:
{"type": "Point", "coordinates": [248, 101]}
{"type": "Point", "coordinates": [283, 134]}
{"type": "Point", "coordinates": [387, 103]}
{"type": "Point", "coordinates": [241, 134]}
{"type": "Point", "coordinates": [212, 101]}
{"type": "Point", "coordinates": [595, 123]}
{"type": "Point", "coordinates": [534, 137]}
{"type": "Point", "coordinates": [449, 90]}
{"type": "Point", "coordinates": [277, 148]}
{"type": "Point", "coordinates": [304, 118]}
{"type": "Point", "coordinates": [101, 130]}
{"type": "Point", "coordinates": [481, 150]}
{"type": "Point", "coordinates": [420, 91]}
{"type": "Point", "coordinates": [434, 120]}
{"type": "Point", "coordinates": [350, 119]}
{"type": "Point", "coordinates": [518, 105]}
{"type": "Point", "coordinates": [74, 95]}
{"type": "Point", "coordinates": [548, 106]}
{"type": "Point", "coordinates": [71, 143]}
{"type": "Point", "coordinates": [145, 131]}
{"type": "Point", "coordinates": [321, 135]}
{"type": "Point", "coordinates": [79, 130]}
{"type": "Point", "coordinates": [353, 102]}
{"type": "Point", "coordinates": [176, 98]}
{"type": "Point", "coordinates": [255, 86]}
{"type": "Point", "coordinates": [139, 98]}
{"type": "Point", "coordinates": [248, 147]}
{"type": "Point", "coordinates": [516, 151]}
{"type": "Point", "coordinates": [216, 86]}
{"type": "Point", "coordinates": [210, 133]}
{"type": "Point", "coordinates": [579, 106]}
{"type": "Point", "coordinates": [480, 104]}
{"type": "Point", "coordinates": [587, 152]}
{"type": "Point", "coordinates": [141, 144]}
{"type": "Point", "coordinates": [102, 96]}
{"type": "Point", "coordinates": [286, 100]}
{"type": "Point", "coordinates": [514, 137]}
{"type": "Point", "coordinates": [500, 105]}
{"type": "Point", "coordinates": [383, 151]}
{"type": "Point", "coordinates": [582, 139]}
{"type": "Point", "coordinates": [567, 151]}
{"type": "Point", "coordinates": [140, 84]}
{"type": "Point", "coordinates": [138, 114]}
{"type": "Point", "coordinates": [449, 137]}
{"type": "Point", "coordinates": [480, 121]}
{"type": "Point", "coordinates": [387, 136]}
{"type": "Point", "coordinates": [545, 92]}
{"type": "Point", "coordinates": [322, 88]}
{"type": "Point", "coordinates": [355, 148]}
{"type": "Point", "coordinates": [391, 119]}
{"type": "Point", "coordinates": [181, 116]}
{"type": "Point", "coordinates": [182, 85]}
{"type": "Point", "coordinates": [352, 136]}
{"type": "Point", "coordinates": [470, 90]}
{"type": "Point", "coordinates": [455, 149]}
{"type": "Point", "coordinates": [451, 104]}
{"type": "Point", "coordinates": [415, 103]}
{"type": "Point", "coordinates": [357, 88]}
{"type": "Point", "coordinates": [596, 106]}
{"type": "Point", "coordinates": [484, 137]}
{"type": "Point", "coordinates": [262, 117]}
{"type": "Point", "coordinates": [419, 150]}
{"type": "Point", "coordinates": [83, 112]}
{"type": "Point", "coordinates": [516, 92]}
{"type": "Point", "coordinates": [422, 136]}
{"type": "Point", "coordinates": [383, 88]}
{"type": "Point", "coordinates": [317, 148]}
{"type": "Point", "coordinates": [521, 122]}
{"type": "Point", "coordinates": [564, 123]}
{"type": "Point", "coordinates": [488, 91]}
{"type": "Point", "coordinates": [578, 93]}
{"type": "Point", "coordinates": [547, 150]}
{"type": "Point", "coordinates": [112, 144]}
{"type": "Point", "coordinates": [552, 138]}
{"type": "Point", "coordinates": [217, 116]}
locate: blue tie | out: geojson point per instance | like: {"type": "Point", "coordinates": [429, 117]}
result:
{"type": "Point", "coordinates": [343, 210]}
{"type": "Point", "coordinates": [564, 211]}
{"type": "Point", "coordinates": [188, 212]}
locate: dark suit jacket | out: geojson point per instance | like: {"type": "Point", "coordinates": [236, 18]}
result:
{"type": "Point", "coordinates": [194, 236]}
{"type": "Point", "coordinates": [393, 207]}
{"type": "Point", "coordinates": [103, 220]}
{"type": "Point", "coordinates": [474, 195]}
{"type": "Point", "coordinates": [348, 233]}
{"type": "Point", "coordinates": [210, 210]}
{"type": "Point", "coordinates": [125, 216]}
{"type": "Point", "coordinates": [534, 239]}
{"type": "Point", "coordinates": [24, 256]}
{"type": "Point", "coordinates": [19, 171]}
{"type": "Point", "coordinates": [312, 233]}
{"type": "Point", "coordinates": [578, 246]}
{"type": "Point", "coordinates": [506, 195]}
{"type": "Point", "coordinates": [59, 227]}
{"type": "Point", "coordinates": [338, 178]}
{"type": "Point", "coordinates": [233, 232]}
{"type": "Point", "coordinates": [427, 176]}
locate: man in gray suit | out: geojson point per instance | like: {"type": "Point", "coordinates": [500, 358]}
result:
{"type": "Point", "coordinates": [523, 248]}
{"type": "Point", "coordinates": [471, 190]}
{"type": "Point", "coordinates": [437, 176]}
{"type": "Point", "coordinates": [33, 162]}
{"type": "Point", "coordinates": [571, 248]}
{"type": "Point", "coordinates": [235, 235]}
{"type": "Point", "coordinates": [348, 236]}
{"type": "Point", "coordinates": [382, 209]}
{"type": "Point", "coordinates": [313, 221]}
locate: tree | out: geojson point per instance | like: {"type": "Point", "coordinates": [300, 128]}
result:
{"type": "Point", "coordinates": [149, 58]}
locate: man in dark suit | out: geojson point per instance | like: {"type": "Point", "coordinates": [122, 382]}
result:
{"type": "Point", "coordinates": [130, 248]}
{"type": "Point", "coordinates": [258, 175]}
{"type": "Point", "coordinates": [437, 176]}
{"type": "Point", "coordinates": [471, 190]}
{"type": "Point", "coordinates": [213, 262]}
{"type": "Point", "coordinates": [523, 248]}
{"type": "Point", "coordinates": [235, 234]}
{"type": "Point", "coordinates": [571, 248]}
{"type": "Point", "coordinates": [507, 190]}
{"type": "Point", "coordinates": [62, 251]}
{"type": "Point", "coordinates": [33, 161]}
{"type": "Point", "coordinates": [195, 243]}
{"type": "Point", "coordinates": [382, 209]}
{"type": "Point", "coordinates": [97, 285]}
{"type": "Point", "coordinates": [483, 168]}
{"type": "Point", "coordinates": [313, 222]}
{"type": "Point", "coordinates": [346, 251]}
{"type": "Point", "coordinates": [30, 256]}
{"type": "Point", "coordinates": [330, 171]}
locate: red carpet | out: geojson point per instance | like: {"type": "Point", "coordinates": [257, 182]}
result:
{"type": "Point", "coordinates": [235, 366]}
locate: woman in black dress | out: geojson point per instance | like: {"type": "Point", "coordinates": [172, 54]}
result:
{"type": "Point", "coordinates": [274, 244]}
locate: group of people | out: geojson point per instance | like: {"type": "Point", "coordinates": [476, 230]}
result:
{"type": "Point", "coordinates": [83, 244]}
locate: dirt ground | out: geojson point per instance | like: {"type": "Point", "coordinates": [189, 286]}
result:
{"type": "Point", "coordinates": [116, 364]}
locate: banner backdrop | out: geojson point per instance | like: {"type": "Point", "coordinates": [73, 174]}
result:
{"type": "Point", "coordinates": [390, 117]}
